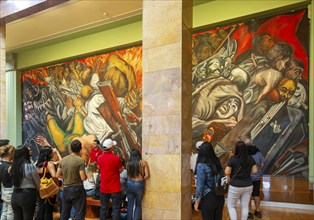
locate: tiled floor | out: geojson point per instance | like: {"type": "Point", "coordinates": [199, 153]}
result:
{"type": "Point", "coordinates": [269, 213]}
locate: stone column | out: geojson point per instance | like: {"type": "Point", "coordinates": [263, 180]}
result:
{"type": "Point", "coordinates": [167, 95]}
{"type": "Point", "coordinates": [2, 82]}
{"type": "Point", "coordinates": [14, 103]}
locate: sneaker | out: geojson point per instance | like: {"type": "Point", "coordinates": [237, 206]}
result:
{"type": "Point", "coordinates": [250, 215]}
{"type": "Point", "coordinates": [258, 214]}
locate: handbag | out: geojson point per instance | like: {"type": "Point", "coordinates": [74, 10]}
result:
{"type": "Point", "coordinates": [48, 187]}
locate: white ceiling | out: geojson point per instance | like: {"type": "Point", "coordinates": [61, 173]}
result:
{"type": "Point", "coordinates": [68, 18]}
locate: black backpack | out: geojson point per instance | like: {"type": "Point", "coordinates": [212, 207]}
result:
{"type": "Point", "coordinates": [220, 186]}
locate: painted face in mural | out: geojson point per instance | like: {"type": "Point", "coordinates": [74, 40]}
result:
{"type": "Point", "coordinates": [294, 70]}
{"type": "Point", "coordinates": [286, 88]}
{"type": "Point", "coordinates": [228, 108]}
{"type": "Point", "coordinates": [28, 93]}
{"type": "Point", "coordinates": [266, 44]}
{"type": "Point", "coordinates": [281, 63]}
{"type": "Point", "coordinates": [204, 53]}
{"type": "Point", "coordinates": [299, 97]}
{"type": "Point", "coordinates": [214, 67]}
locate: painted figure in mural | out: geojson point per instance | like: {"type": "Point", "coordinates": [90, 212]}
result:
{"type": "Point", "coordinates": [284, 90]}
{"type": "Point", "coordinates": [208, 44]}
{"type": "Point", "coordinates": [216, 101]}
{"type": "Point", "coordinates": [294, 70]}
{"type": "Point", "coordinates": [220, 64]}
{"type": "Point", "coordinates": [265, 72]}
{"type": "Point", "coordinates": [269, 73]}
{"type": "Point", "coordinates": [33, 119]}
{"type": "Point", "coordinates": [262, 43]}
{"type": "Point", "coordinates": [122, 78]}
{"type": "Point", "coordinates": [76, 103]}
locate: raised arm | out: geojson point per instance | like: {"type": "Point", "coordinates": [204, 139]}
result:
{"type": "Point", "coordinates": [52, 169]}
{"type": "Point", "coordinates": [146, 170]}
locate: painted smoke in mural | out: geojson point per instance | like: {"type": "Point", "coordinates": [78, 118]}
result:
{"type": "Point", "coordinates": [97, 97]}
{"type": "Point", "coordinates": [250, 80]}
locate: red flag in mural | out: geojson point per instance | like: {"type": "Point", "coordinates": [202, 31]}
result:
{"type": "Point", "coordinates": [281, 28]}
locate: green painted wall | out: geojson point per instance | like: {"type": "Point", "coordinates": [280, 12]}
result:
{"type": "Point", "coordinates": [82, 45]}
{"type": "Point", "coordinates": [212, 13]}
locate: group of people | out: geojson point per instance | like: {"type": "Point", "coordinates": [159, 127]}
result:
{"type": "Point", "coordinates": [20, 181]}
{"type": "Point", "coordinates": [243, 169]}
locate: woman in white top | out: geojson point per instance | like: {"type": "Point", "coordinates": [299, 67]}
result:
{"type": "Point", "coordinates": [90, 182]}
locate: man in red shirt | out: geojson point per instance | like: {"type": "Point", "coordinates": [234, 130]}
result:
{"type": "Point", "coordinates": [110, 167]}
{"type": "Point", "coordinates": [95, 152]}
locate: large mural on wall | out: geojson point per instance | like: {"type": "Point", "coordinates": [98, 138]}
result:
{"type": "Point", "coordinates": [97, 97]}
{"type": "Point", "coordinates": [250, 80]}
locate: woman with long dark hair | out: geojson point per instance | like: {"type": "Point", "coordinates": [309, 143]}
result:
{"type": "Point", "coordinates": [137, 170]}
{"type": "Point", "coordinates": [44, 162]}
{"type": "Point", "coordinates": [26, 182]}
{"type": "Point", "coordinates": [207, 166]}
{"type": "Point", "coordinates": [239, 168]}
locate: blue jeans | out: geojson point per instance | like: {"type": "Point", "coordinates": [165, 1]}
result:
{"type": "Point", "coordinates": [90, 192]}
{"type": "Point", "coordinates": [134, 191]}
{"type": "Point", "coordinates": [104, 203]}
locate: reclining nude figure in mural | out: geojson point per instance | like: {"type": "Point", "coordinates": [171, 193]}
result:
{"type": "Point", "coordinates": [217, 100]}
{"type": "Point", "coordinates": [87, 124]}
{"type": "Point", "coordinates": [265, 72]}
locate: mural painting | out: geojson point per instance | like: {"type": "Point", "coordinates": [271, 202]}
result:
{"type": "Point", "coordinates": [250, 80]}
{"type": "Point", "coordinates": [97, 97]}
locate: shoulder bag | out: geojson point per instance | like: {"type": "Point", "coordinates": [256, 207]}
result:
{"type": "Point", "coordinates": [48, 186]}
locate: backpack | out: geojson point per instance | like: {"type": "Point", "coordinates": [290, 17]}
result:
{"type": "Point", "coordinates": [221, 185]}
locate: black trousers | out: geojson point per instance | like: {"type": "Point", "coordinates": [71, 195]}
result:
{"type": "Point", "coordinates": [23, 203]}
{"type": "Point", "coordinates": [212, 206]}
{"type": "Point", "coordinates": [76, 196]}
{"type": "Point", "coordinates": [46, 207]}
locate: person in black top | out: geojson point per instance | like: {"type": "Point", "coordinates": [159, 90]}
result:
{"type": "Point", "coordinates": [6, 153]}
{"type": "Point", "coordinates": [45, 162]}
{"type": "Point", "coordinates": [239, 168]}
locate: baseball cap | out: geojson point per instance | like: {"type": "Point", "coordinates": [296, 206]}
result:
{"type": "Point", "coordinates": [198, 144]}
{"type": "Point", "coordinates": [108, 143]}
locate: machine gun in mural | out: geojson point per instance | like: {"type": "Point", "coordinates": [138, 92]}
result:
{"type": "Point", "coordinates": [110, 111]}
